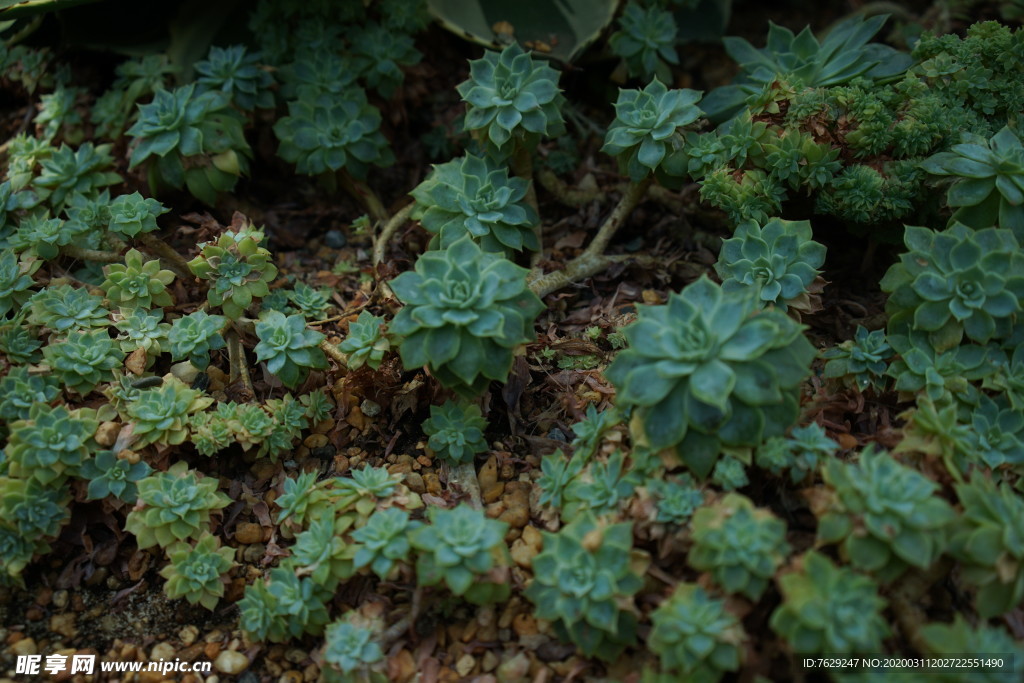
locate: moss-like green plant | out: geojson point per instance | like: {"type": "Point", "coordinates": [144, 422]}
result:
{"type": "Point", "coordinates": [192, 140]}
{"type": "Point", "coordinates": [779, 260]}
{"type": "Point", "coordinates": [176, 506]}
{"type": "Point", "coordinates": [69, 171]}
{"type": "Point", "coordinates": [456, 431]}
{"type": "Point", "coordinates": [583, 581]}
{"type": "Point", "coordinates": [161, 415]}
{"type": "Point", "coordinates": [84, 360]}
{"type": "Point", "coordinates": [646, 41]}
{"type": "Point", "coordinates": [109, 475]}
{"type": "Point", "coordinates": [288, 347]}
{"type": "Point", "coordinates": [384, 541]}
{"type": "Point", "coordinates": [15, 281]}
{"type": "Point", "coordinates": [988, 542]}
{"type": "Point", "coordinates": [197, 572]}
{"type": "Point", "coordinates": [133, 214]}
{"type": "Point", "coordinates": [195, 336]}
{"type": "Point", "coordinates": [989, 187]}
{"type": "Point", "coordinates": [956, 282]}
{"type": "Point", "coordinates": [325, 133]}
{"type": "Point", "coordinates": [740, 544]}
{"type": "Point", "coordinates": [646, 125]}
{"type": "Point", "coordinates": [51, 444]}
{"type": "Point", "coordinates": [706, 370]}
{"type": "Point", "coordinates": [477, 197]}
{"type": "Point", "coordinates": [235, 71]}
{"type": "Point", "coordinates": [135, 283]}
{"type": "Point", "coordinates": [861, 361]}
{"type": "Point", "coordinates": [829, 609]}
{"type": "Point", "coordinates": [366, 342]}
{"type": "Point", "coordinates": [380, 54]}
{"type": "Point", "coordinates": [886, 516]}
{"type": "Point", "coordinates": [286, 607]}
{"type": "Point", "coordinates": [65, 308]}
{"type": "Point", "coordinates": [238, 270]}
{"type": "Point", "coordinates": [510, 96]}
{"type": "Point", "coordinates": [695, 636]}
{"type": "Point", "coordinates": [465, 312]}
{"type": "Point", "coordinates": [462, 548]}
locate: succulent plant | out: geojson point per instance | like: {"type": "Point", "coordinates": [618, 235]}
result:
{"type": "Point", "coordinates": [23, 158]}
{"type": "Point", "coordinates": [15, 554]}
{"type": "Point", "coordinates": [474, 196]}
{"type": "Point", "coordinates": [142, 329]}
{"type": "Point", "coordinates": [64, 308]}
{"type": "Point", "coordinates": [456, 431]}
{"type": "Point", "coordinates": [143, 76]}
{"type": "Point", "coordinates": [934, 429]}
{"type": "Point", "coordinates": [235, 71]}
{"type": "Point", "coordinates": [132, 214]}
{"type": "Point", "coordinates": [956, 282]}
{"type": "Point", "coordinates": [384, 541]}
{"type": "Point", "coordinates": [583, 580]}
{"type": "Point", "coordinates": [939, 375]}
{"type": "Point", "coordinates": [462, 548]}
{"type": "Point", "coordinates": [18, 344]}
{"type": "Point", "coordinates": [318, 405]}
{"type": "Point", "coordinates": [989, 186]}
{"type": "Point", "coordinates": [886, 515]}
{"type": "Point", "coordinates": [84, 360]}
{"type": "Point", "coordinates": [322, 553]}
{"type": "Point", "coordinates": [69, 171]}
{"type": "Point", "coordinates": [317, 72]}
{"type": "Point", "coordinates": [602, 487]}
{"type": "Point", "coordinates": [88, 214]}
{"type": "Point", "coordinates": [327, 132]}
{"type": "Point", "coordinates": [300, 499]}
{"type": "Point", "coordinates": [238, 269]}
{"type": "Point", "coordinates": [509, 95]}
{"type": "Point", "coordinates": [729, 474]}
{"type": "Point", "coordinates": [350, 648]}
{"type": "Point", "coordinates": [861, 361]}
{"type": "Point", "coordinates": [751, 195]}
{"type": "Point", "coordinates": [591, 429]}
{"type": "Point", "coordinates": [465, 312]}
{"type": "Point", "coordinates": [109, 475]}
{"type": "Point", "coordinates": [646, 124]}
{"type": "Point", "coordinates": [161, 415]}
{"type": "Point", "coordinates": [366, 343]}
{"type": "Point", "coordinates": [176, 506]}
{"type": "Point", "coordinates": [707, 370]}
{"type": "Point", "coordinates": [800, 453]}
{"type": "Point", "coordinates": [557, 472]}
{"type": "Point", "coordinates": [42, 236]}
{"type": "Point", "coordinates": [20, 390]}
{"type": "Point", "coordinates": [779, 260]}
{"type": "Point", "coordinates": [288, 347]}
{"type": "Point", "coordinates": [195, 336]}
{"type": "Point", "coordinates": [15, 281]}
{"type": "Point", "coordinates": [135, 283]}
{"type": "Point", "coordinates": [210, 432]}
{"type": "Point", "coordinates": [695, 636]}
{"type": "Point", "coordinates": [960, 636]}
{"type": "Point", "coordinates": [51, 444]}
{"type": "Point", "coordinates": [192, 140]}
{"type": "Point", "coordinates": [286, 607]}
{"type": "Point", "coordinates": [996, 436]}
{"type": "Point", "coordinates": [842, 56]}
{"type": "Point", "coordinates": [33, 510]}
{"type": "Point", "coordinates": [800, 161]}
{"type": "Point", "coordinates": [676, 498]}
{"type": "Point", "coordinates": [646, 41]}
{"type": "Point", "coordinates": [380, 54]}
{"type": "Point", "coordinates": [740, 544]}
{"type": "Point", "coordinates": [58, 114]}
{"type": "Point", "coordinates": [196, 572]}
{"type": "Point", "coordinates": [312, 303]}
{"type": "Point", "coordinates": [988, 542]}
{"type": "Point", "coordinates": [829, 609]}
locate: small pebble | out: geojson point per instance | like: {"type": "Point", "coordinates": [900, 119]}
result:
{"type": "Point", "coordinates": [335, 239]}
{"type": "Point", "coordinates": [231, 662]}
{"type": "Point", "coordinates": [25, 646]}
{"type": "Point", "coordinates": [249, 532]}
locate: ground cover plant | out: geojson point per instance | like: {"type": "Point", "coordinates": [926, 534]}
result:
{"type": "Point", "coordinates": [632, 346]}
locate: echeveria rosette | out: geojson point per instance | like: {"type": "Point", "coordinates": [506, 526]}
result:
{"type": "Point", "coordinates": [988, 540]}
{"type": "Point", "coordinates": [15, 281]}
{"type": "Point", "coordinates": [886, 516]}
{"type": "Point", "coordinates": [477, 197]}
{"type": "Point", "coordinates": [288, 347]}
{"type": "Point", "coordinates": [351, 648]}
{"type": "Point", "coordinates": [195, 336]}
{"type": "Point", "coordinates": [366, 342]}
{"type": "Point", "coordinates": [18, 344]}
{"type": "Point", "coordinates": [646, 121]}
{"type": "Point", "coordinates": [84, 360]}
{"type": "Point", "coordinates": [197, 572]}
{"type": "Point", "coordinates": [861, 361]}
{"type": "Point", "coordinates": [383, 541]}
{"type": "Point", "coordinates": [829, 610]}
{"type": "Point", "coordinates": [708, 371]}
{"type": "Point", "coordinates": [779, 260]}
{"type": "Point", "coordinates": [465, 312]}
{"type": "Point", "coordinates": [238, 269]}
{"type": "Point", "coordinates": [135, 283]}
{"type": "Point", "coordinates": [202, 128]}
{"type": "Point", "coordinates": [41, 236]}
{"type": "Point", "coordinates": [142, 329]}
{"type": "Point", "coordinates": [51, 444]}
{"type": "Point", "coordinates": [237, 72]}
{"type": "Point", "coordinates": [961, 636]}
{"type": "Point", "coordinates": [379, 55]}
{"type": "Point", "coordinates": [646, 41]}
{"type": "Point", "coordinates": [132, 214]}
{"type": "Point", "coordinates": [941, 376]}
{"type": "Point", "coordinates": [582, 580]}
{"type": "Point", "coordinates": [68, 171]}
{"type": "Point", "coordinates": [109, 475]}
{"type": "Point", "coordinates": [323, 551]}
{"type": "Point", "coordinates": [35, 511]}
{"type": "Point", "coordinates": [176, 506]}
{"type": "Point", "coordinates": [63, 308]}
{"type": "Point", "coordinates": [20, 390]}
{"type": "Point", "coordinates": [286, 607]}
{"type": "Point", "coordinates": [326, 133]}
{"type": "Point", "coordinates": [956, 282]}
{"type": "Point", "coordinates": [996, 436]}
{"type": "Point", "coordinates": [509, 95]}
{"type": "Point", "coordinates": [695, 636]}
{"type": "Point", "coordinates": [160, 415]}
{"type": "Point", "coordinates": [455, 431]}
{"type": "Point", "coordinates": [989, 186]}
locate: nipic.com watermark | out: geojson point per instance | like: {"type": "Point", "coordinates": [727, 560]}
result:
{"type": "Point", "coordinates": [86, 664]}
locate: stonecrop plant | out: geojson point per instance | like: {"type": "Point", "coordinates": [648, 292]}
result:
{"type": "Point", "coordinates": [366, 343]}
{"type": "Point", "coordinates": [238, 270]}
{"type": "Point", "coordinates": [455, 431]}
{"type": "Point", "coordinates": [176, 506]}
{"type": "Point", "coordinates": [646, 41]}
{"type": "Point", "coordinates": [288, 347]}
{"type": "Point", "coordinates": [695, 636]}
{"type": "Point", "coordinates": [710, 356]}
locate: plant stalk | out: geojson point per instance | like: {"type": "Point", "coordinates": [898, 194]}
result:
{"type": "Point", "coordinates": [96, 255]}
{"type": "Point", "coordinates": [236, 362]}
{"type": "Point", "coordinates": [380, 244]}
{"type": "Point", "coordinates": [365, 195]}
{"type": "Point", "coordinates": [161, 249]}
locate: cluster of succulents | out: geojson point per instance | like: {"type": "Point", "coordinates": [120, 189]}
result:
{"type": "Point", "coordinates": [237, 72]}
{"type": "Point", "coordinates": [196, 571]}
{"type": "Point", "coordinates": [238, 269]}
{"type": "Point", "coordinates": [176, 506]}
{"type": "Point", "coordinates": [195, 336]}
{"type": "Point", "coordinates": [800, 453]}
{"type": "Point", "coordinates": [366, 342]}
{"type": "Point", "coordinates": [456, 431]}
{"type": "Point", "coordinates": [861, 361]}
{"type": "Point", "coordinates": [695, 636]}
{"type": "Point", "coordinates": [288, 347]}
{"type": "Point", "coordinates": [646, 41]}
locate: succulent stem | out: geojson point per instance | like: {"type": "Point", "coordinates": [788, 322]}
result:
{"type": "Point", "coordinates": [332, 351]}
{"type": "Point", "coordinates": [172, 258]}
{"type": "Point", "coordinates": [91, 254]}
{"type": "Point", "coordinates": [380, 244]}
{"type": "Point", "coordinates": [236, 362]}
{"type": "Point", "coordinates": [365, 195]}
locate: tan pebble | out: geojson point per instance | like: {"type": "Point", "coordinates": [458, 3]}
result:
{"type": "Point", "coordinates": [188, 635]}
{"type": "Point", "coordinates": [432, 483]}
{"type": "Point", "coordinates": [355, 418]}
{"type": "Point", "coordinates": [494, 510]}
{"type": "Point", "coordinates": [106, 434]}
{"type": "Point", "coordinates": [315, 441]}
{"type": "Point", "coordinates": [64, 624]}
{"type": "Point", "coordinates": [129, 456]}
{"type": "Point", "coordinates": [253, 552]}
{"type": "Point", "coordinates": [324, 426]}
{"type": "Point", "coordinates": [60, 599]}
{"type": "Point", "coordinates": [301, 453]}
{"type": "Point", "coordinates": [150, 677]}
{"type": "Point", "coordinates": [162, 652]}
{"type": "Point", "coordinates": [218, 378]}
{"type": "Point", "coordinates": [524, 625]}
{"type": "Point", "coordinates": [400, 468]}
{"type": "Point", "coordinates": [25, 646]}
{"type": "Point", "coordinates": [212, 650]}
{"type": "Point", "coordinates": [490, 661]}
{"type": "Point", "coordinates": [248, 532]}
{"type": "Point", "coordinates": [191, 678]}
{"type": "Point", "coordinates": [517, 505]}
{"type": "Point", "coordinates": [34, 613]}
{"type": "Point", "coordinates": [273, 668]}
{"type": "Point", "coordinates": [424, 461]}
{"type": "Point", "coordinates": [532, 537]}
{"type": "Point", "coordinates": [470, 631]}
{"type": "Point", "coordinates": [370, 408]}
{"type": "Point", "coordinates": [522, 554]}
{"type": "Point", "coordinates": [415, 482]}
{"type": "Point", "coordinates": [492, 492]}
{"type": "Point", "coordinates": [290, 677]}
{"type": "Point", "coordinates": [488, 475]}
{"type": "Point", "coordinates": [231, 662]}
{"type": "Point", "coordinates": [448, 675]}
{"type": "Point", "coordinates": [465, 665]}
{"type": "Point", "coordinates": [213, 679]}
{"type": "Point", "coordinates": [263, 468]}
{"type": "Point", "coordinates": [311, 673]}
{"type": "Point", "coordinates": [401, 667]}
{"type": "Point", "coordinates": [136, 361]}
{"type": "Point", "coordinates": [295, 655]}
